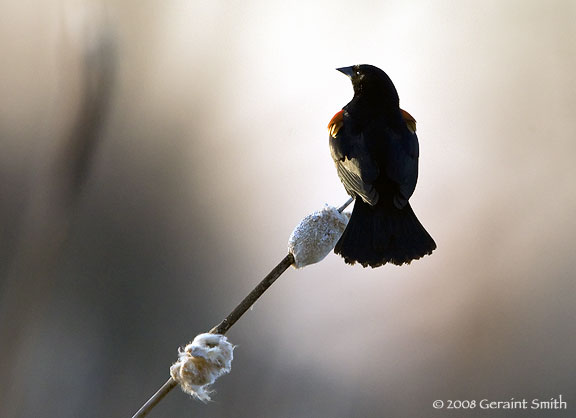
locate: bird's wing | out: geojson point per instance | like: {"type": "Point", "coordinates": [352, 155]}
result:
{"type": "Point", "coordinates": [353, 182]}
{"type": "Point", "coordinates": [377, 161]}
{"type": "Point", "coordinates": [356, 166]}
{"type": "Point", "coordinates": [400, 159]}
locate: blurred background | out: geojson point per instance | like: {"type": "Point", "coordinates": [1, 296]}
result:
{"type": "Point", "coordinates": [155, 156]}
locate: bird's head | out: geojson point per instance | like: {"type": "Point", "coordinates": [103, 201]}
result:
{"type": "Point", "coordinates": [371, 83]}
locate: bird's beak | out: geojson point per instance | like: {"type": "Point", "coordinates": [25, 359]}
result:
{"type": "Point", "coordinates": [349, 71]}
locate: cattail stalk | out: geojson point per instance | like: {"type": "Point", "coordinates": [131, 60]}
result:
{"type": "Point", "coordinates": [229, 321]}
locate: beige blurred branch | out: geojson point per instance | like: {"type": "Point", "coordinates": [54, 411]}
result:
{"type": "Point", "coordinates": [54, 199]}
{"type": "Point", "coordinates": [98, 75]}
{"type": "Point", "coordinates": [229, 321]}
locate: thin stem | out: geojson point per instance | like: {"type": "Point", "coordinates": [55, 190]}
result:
{"type": "Point", "coordinates": [249, 300]}
{"type": "Point", "coordinates": [230, 320]}
{"type": "Point", "coordinates": [345, 205]}
{"type": "Point", "coordinates": [223, 326]}
{"type": "Point", "coordinates": [157, 397]}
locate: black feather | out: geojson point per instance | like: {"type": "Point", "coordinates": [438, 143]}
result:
{"type": "Point", "coordinates": [382, 234]}
{"type": "Point", "coordinates": [376, 157]}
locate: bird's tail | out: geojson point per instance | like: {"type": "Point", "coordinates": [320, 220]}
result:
{"type": "Point", "coordinates": [382, 234]}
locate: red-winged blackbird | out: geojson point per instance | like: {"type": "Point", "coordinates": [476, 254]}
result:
{"type": "Point", "coordinates": [374, 145]}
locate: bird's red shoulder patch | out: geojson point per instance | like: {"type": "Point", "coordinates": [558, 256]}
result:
{"type": "Point", "coordinates": [336, 123]}
{"type": "Point", "coordinates": [410, 121]}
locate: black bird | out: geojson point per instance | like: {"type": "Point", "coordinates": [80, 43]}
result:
{"type": "Point", "coordinates": [375, 148]}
